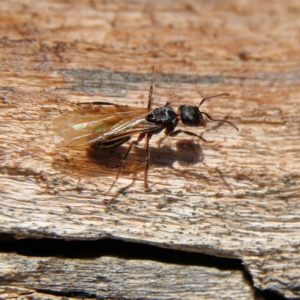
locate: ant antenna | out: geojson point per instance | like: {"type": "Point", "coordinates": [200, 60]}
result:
{"type": "Point", "coordinates": [210, 117]}
{"type": "Point", "coordinates": [215, 96]}
{"type": "Point", "coordinates": [219, 120]}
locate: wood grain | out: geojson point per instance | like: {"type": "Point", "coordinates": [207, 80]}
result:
{"type": "Point", "coordinates": [113, 278]}
{"type": "Point", "coordinates": [236, 197]}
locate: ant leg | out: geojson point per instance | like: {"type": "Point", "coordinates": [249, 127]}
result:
{"type": "Point", "coordinates": [175, 133]}
{"type": "Point", "coordinates": [151, 89]}
{"type": "Point", "coordinates": [168, 104]}
{"type": "Point", "coordinates": [141, 136]}
{"type": "Point", "coordinates": [148, 137]}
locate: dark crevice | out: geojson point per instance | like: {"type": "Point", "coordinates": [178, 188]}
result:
{"type": "Point", "coordinates": [73, 294]}
{"type": "Point", "coordinates": [125, 250]}
{"type": "Point", "coordinates": [120, 249]}
{"type": "Point", "coordinates": [269, 294]}
{"type": "Point", "coordinates": [79, 295]}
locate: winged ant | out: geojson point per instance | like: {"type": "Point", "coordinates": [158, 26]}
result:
{"type": "Point", "coordinates": [109, 125]}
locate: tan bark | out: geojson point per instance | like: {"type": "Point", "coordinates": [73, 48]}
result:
{"type": "Point", "coordinates": [236, 197]}
{"type": "Point", "coordinates": [115, 278]}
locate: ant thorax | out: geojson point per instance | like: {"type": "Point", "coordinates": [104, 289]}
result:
{"type": "Point", "coordinates": [163, 116]}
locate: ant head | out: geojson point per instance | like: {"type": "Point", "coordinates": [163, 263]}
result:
{"type": "Point", "coordinates": [192, 116]}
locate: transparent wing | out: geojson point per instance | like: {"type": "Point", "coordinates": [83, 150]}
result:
{"type": "Point", "coordinates": [98, 125]}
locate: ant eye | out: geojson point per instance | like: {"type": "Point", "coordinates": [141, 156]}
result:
{"type": "Point", "coordinates": [190, 115]}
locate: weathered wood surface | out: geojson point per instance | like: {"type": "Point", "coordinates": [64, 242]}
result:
{"type": "Point", "coordinates": [237, 197]}
{"type": "Point", "coordinates": [12, 292]}
{"type": "Point", "coordinates": [114, 278]}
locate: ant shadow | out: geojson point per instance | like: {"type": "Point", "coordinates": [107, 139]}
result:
{"type": "Point", "coordinates": [186, 153]}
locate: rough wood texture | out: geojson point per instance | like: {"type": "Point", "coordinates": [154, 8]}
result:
{"type": "Point", "coordinates": [237, 197]}
{"type": "Point", "coordinates": [11, 292]}
{"type": "Point", "coordinates": [112, 277]}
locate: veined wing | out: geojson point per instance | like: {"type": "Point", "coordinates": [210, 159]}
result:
{"type": "Point", "coordinates": [98, 125]}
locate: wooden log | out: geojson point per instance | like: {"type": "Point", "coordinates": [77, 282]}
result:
{"type": "Point", "coordinates": [237, 197]}
{"type": "Point", "coordinates": [111, 277]}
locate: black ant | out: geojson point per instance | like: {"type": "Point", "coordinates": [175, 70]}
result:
{"type": "Point", "coordinates": [109, 125]}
